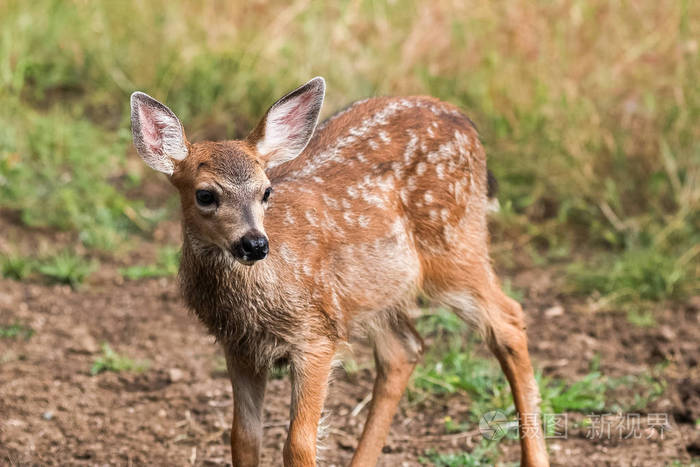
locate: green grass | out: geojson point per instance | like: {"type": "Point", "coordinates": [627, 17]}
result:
{"type": "Point", "coordinates": [641, 318]}
{"type": "Point", "coordinates": [16, 331]}
{"type": "Point", "coordinates": [486, 453]}
{"type": "Point", "coordinates": [66, 268]}
{"type": "Point", "coordinates": [458, 370]}
{"type": "Point", "coordinates": [112, 361]}
{"type": "Point", "coordinates": [60, 171]}
{"type": "Point", "coordinates": [453, 366]}
{"type": "Point", "coordinates": [166, 265]}
{"type": "Point", "coordinates": [639, 275]}
{"type": "Point", "coordinates": [16, 267]}
{"type": "Point", "coordinates": [585, 395]}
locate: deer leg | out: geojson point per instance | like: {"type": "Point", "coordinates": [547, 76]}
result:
{"type": "Point", "coordinates": [397, 349]}
{"type": "Point", "coordinates": [500, 319]}
{"type": "Point", "coordinates": [309, 373]}
{"type": "Point", "coordinates": [248, 396]}
{"type": "Point", "coordinates": [508, 341]}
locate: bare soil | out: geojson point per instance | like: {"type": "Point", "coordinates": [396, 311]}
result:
{"type": "Point", "coordinates": [178, 411]}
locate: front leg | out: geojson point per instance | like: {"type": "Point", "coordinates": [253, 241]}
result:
{"type": "Point", "coordinates": [248, 395]}
{"type": "Point", "coordinates": [310, 371]}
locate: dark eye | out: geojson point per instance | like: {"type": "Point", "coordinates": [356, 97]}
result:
{"type": "Point", "coordinates": [205, 197]}
{"type": "Point", "coordinates": [266, 196]}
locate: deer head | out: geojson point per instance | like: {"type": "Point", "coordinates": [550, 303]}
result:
{"type": "Point", "coordinates": [223, 186]}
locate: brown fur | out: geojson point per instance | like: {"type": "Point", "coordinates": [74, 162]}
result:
{"type": "Point", "coordinates": [388, 199]}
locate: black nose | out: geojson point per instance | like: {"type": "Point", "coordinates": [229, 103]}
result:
{"type": "Point", "coordinates": [254, 246]}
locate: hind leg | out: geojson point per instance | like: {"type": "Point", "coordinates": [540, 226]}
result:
{"type": "Point", "coordinates": [509, 344]}
{"type": "Point", "coordinates": [501, 320]}
{"type": "Point", "coordinates": [397, 349]}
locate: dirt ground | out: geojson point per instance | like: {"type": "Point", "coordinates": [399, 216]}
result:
{"type": "Point", "coordinates": [178, 411]}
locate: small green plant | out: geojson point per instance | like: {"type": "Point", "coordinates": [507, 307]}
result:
{"type": "Point", "coordinates": [641, 318]}
{"type": "Point", "coordinates": [66, 268]}
{"type": "Point", "coordinates": [483, 454]}
{"type": "Point", "coordinates": [16, 267]}
{"type": "Point", "coordinates": [16, 330]}
{"type": "Point", "coordinates": [452, 426]}
{"type": "Point", "coordinates": [587, 394]}
{"type": "Point", "coordinates": [112, 361]}
{"type": "Point", "coordinates": [166, 265]}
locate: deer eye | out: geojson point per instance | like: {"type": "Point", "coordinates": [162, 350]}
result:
{"type": "Point", "coordinates": [267, 194]}
{"type": "Point", "coordinates": [205, 197]}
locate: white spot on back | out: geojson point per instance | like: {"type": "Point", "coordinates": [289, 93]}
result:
{"type": "Point", "coordinates": [411, 183]}
{"type": "Point", "coordinates": [311, 217]}
{"type": "Point", "coordinates": [440, 171]}
{"type": "Point", "coordinates": [330, 202]}
{"type": "Point", "coordinates": [354, 134]}
{"type": "Point", "coordinates": [444, 214]}
{"type": "Point", "coordinates": [384, 136]}
{"type": "Point", "coordinates": [306, 267]}
{"type": "Point", "coordinates": [288, 218]}
{"type": "Point", "coordinates": [410, 149]}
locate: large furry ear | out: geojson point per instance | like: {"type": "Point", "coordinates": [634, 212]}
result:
{"type": "Point", "coordinates": [286, 128]}
{"type": "Point", "coordinates": [158, 134]}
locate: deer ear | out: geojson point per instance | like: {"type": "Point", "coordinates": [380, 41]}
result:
{"type": "Point", "coordinates": [286, 128]}
{"type": "Point", "coordinates": [158, 134]}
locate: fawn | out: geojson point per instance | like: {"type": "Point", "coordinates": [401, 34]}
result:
{"type": "Point", "coordinates": [292, 237]}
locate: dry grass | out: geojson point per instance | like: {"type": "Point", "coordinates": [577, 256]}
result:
{"type": "Point", "coordinates": [590, 110]}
